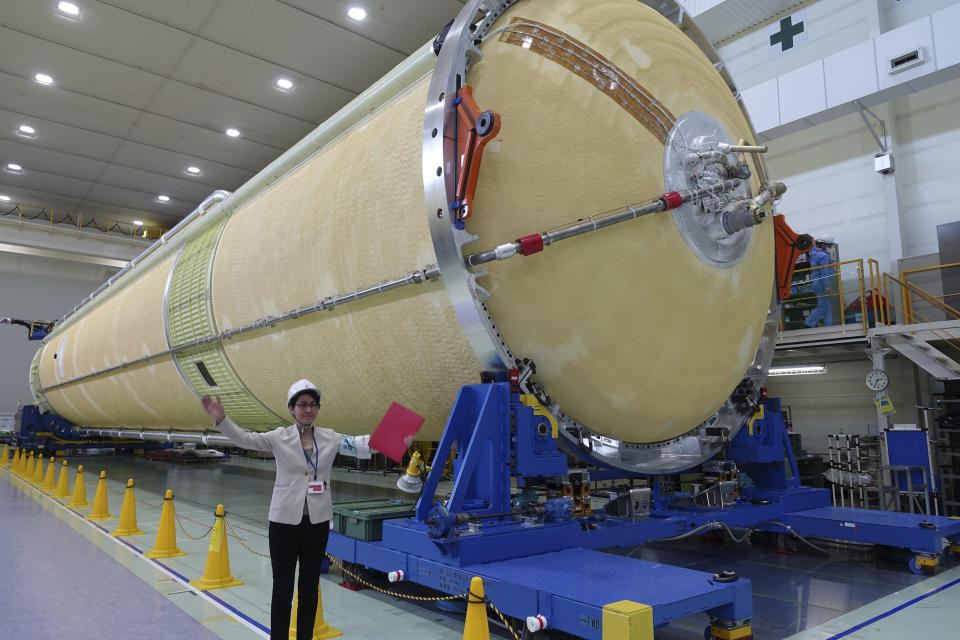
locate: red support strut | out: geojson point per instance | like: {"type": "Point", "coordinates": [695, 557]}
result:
{"type": "Point", "coordinates": [788, 246]}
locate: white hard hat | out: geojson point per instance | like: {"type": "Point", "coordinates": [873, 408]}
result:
{"type": "Point", "coordinates": [826, 239]}
{"type": "Point", "coordinates": [299, 387]}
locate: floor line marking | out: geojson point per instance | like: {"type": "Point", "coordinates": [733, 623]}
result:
{"type": "Point", "coordinates": [886, 614]}
{"type": "Point", "coordinates": [250, 623]}
{"type": "Point", "coordinates": [791, 601]}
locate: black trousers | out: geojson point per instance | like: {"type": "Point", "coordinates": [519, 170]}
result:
{"type": "Point", "coordinates": [291, 543]}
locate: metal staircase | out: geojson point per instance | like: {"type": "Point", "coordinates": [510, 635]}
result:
{"type": "Point", "coordinates": [913, 342]}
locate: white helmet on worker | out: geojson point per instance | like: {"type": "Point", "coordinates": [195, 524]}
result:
{"type": "Point", "coordinates": [301, 386]}
{"type": "Point", "coordinates": [825, 239]}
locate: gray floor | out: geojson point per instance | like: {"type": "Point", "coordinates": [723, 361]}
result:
{"type": "Point", "coordinates": [61, 569]}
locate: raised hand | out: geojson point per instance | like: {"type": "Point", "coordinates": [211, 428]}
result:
{"type": "Point", "coordinates": [214, 408]}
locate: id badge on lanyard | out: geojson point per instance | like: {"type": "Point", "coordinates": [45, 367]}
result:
{"type": "Point", "coordinates": [319, 486]}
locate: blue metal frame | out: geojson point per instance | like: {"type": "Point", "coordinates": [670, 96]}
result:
{"type": "Point", "coordinates": [529, 558]}
{"type": "Point", "coordinates": [63, 437]}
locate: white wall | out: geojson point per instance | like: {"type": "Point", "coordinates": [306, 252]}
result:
{"type": "Point", "coordinates": [831, 26]}
{"type": "Point", "coordinates": [832, 188]}
{"type": "Point", "coordinates": [839, 401]}
{"type": "Point", "coordinates": [35, 289]}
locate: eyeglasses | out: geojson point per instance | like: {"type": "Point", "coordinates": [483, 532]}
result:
{"type": "Point", "coordinates": [307, 405]}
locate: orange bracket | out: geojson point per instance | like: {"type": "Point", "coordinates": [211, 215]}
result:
{"type": "Point", "coordinates": [789, 246]}
{"type": "Point", "coordinates": [475, 128]}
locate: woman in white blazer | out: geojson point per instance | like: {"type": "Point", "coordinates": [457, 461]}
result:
{"type": "Point", "coordinates": [301, 508]}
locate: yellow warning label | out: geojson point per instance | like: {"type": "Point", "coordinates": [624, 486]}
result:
{"type": "Point", "coordinates": [216, 536]}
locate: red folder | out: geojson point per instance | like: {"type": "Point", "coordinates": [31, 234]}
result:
{"type": "Point", "coordinates": [398, 423]}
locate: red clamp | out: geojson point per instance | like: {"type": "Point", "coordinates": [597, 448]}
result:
{"type": "Point", "coordinates": [531, 244]}
{"type": "Point", "coordinates": [672, 199]}
{"type": "Point", "coordinates": [475, 128]}
{"type": "Point", "coordinates": [788, 246]}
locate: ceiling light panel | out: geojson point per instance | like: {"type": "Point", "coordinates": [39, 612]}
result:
{"type": "Point", "coordinates": [233, 133]}
{"type": "Point", "coordinates": [43, 78]}
{"type": "Point", "coordinates": [13, 167]}
{"type": "Point", "coordinates": [163, 198]}
{"type": "Point", "coordinates": [284, 84]}
{"type": "Point", "coordinates": [193, 171]}
{"type": "Point", "coordinates": [26, 131]}
{"type": "Point", "coordinates": [4, 197]}
{"type": "Point", "coordinates": [69, 9]}
{"type": "Point", "coordinates": [357, 13]}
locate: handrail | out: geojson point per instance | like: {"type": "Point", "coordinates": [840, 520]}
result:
{"type": "Point", "coordinates": [943, 334]}
{"type": "Point", "coordinates": [858, 262]}
{"type": "Point", "coordinates": [904, 278]}
{"type": "Point", "coordinates": [82, 221]}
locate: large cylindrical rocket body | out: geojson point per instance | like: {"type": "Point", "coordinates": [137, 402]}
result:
{"type": "Point", "coordinates": [633, 334]}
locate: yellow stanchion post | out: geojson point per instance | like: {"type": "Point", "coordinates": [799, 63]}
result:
{"type": "Point", "coordinates": [321, 629]}
{"type": "Point", "coordinates": [476, 627]}
{"type": "Point", "coordinates": [127, 525]}
{"type": "Point", "coordinates": [5, 456]}
{"type": "Point", "coordinates": [37, 477]}
{"type": "Point", "coordinates": [49, 480]}
{"type": "Point", "coordinates": [79, 498]}
{"type": "Point", "coordinates": [216, 573]}
{"type": "Point", "coordinates": [166, 543]}
{"type": "Point", "coordinates": [99, 510]}
{"type": "Point", "coordinates": [63, 482]}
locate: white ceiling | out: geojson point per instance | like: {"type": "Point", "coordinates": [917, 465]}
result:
{"type": "Point", "coordinates": [145, 88]}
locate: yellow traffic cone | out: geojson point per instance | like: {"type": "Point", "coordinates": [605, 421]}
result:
{"type": "Point", "coordinates": [166, 543]}
{"type": "Point", "coordinates": [37, 477]}
{"type": "Point", "coordinates": [21, 462]}
{"type": "Point", "coordinates": [476, 627]}
{"type": "Point", "coordinates": [216, 573]}
{"type": "Point", "coordinates": [15, 464]}
{"type": "Point", "coordinates": [63, 482]}
{"type": "Point", "coordinates": [5, 456]}
{"type": "Point", "coordinates": [27, 472]}
{"type": "Point", "coordinates": [321, 629]}
{"type": "Point", "coordinates": [49, 480]}
{"type": "Point", "coordinates": [99, 510]}
{"type": "Point", "coordinates": [79, 498]}
{"type": "Point", "coordinates": [127, 526]}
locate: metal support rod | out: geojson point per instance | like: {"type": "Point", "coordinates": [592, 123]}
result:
{"type": "Point", "coordinates": [159, 436]}
{"type": "Point", "coordinates": [742, 148]}
{"type": "Point", "coordinates": [504, 251]}
{"type": "Point", "coordinates": [414, 277]}
{"type": "Point", "coordinates": [881, 142]}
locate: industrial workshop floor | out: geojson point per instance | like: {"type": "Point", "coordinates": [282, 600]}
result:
{"type": "Point", "coordinates": [62, 574]}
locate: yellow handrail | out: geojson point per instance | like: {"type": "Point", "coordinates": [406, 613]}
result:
{"type": "Point", "coordinates": [840, 291]}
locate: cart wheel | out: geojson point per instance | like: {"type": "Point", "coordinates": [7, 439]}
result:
{"type": "Point", "coordinates": [917, 569]}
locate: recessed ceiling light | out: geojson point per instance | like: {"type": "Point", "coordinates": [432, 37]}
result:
{"type": "Point", "coordinates": [163, 198]}
{"type": "Point", "coordinates": [43, 78]}
{"type": "Point", "coordinates": [14, 167]}
{"type": "Point", "coordinates": [233, 133]}
{"type": "Point", "coordinates": [193, 171]}
{"type": "Point", "coordinates": [69, 9]}
{"type": "Point", "coordinates": [26, 131]}
{"type": "Point", "coordinates": [284, 84]}
{"type": "Point", "coordinates": [138, 223]}
{"type": "Point", "coordinates": [4, 197]}
{"type": "Point", "coordinates": [356, 13]}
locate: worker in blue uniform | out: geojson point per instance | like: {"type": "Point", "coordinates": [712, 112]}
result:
{"type": "Point", "coordinates": [820, 275]}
